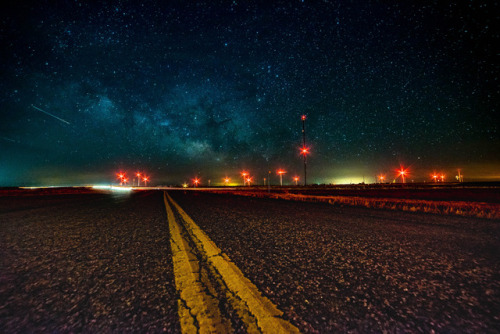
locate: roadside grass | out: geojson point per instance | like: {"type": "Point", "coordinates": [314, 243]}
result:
{"type": "Point", "coordinates": [459, 208]}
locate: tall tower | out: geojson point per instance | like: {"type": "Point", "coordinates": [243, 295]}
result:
{"type": "Point", "coordinates": [304, 149]}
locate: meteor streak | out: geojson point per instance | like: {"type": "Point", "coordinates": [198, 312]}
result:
{"type": "Point", "coordinates": [8, 139]}
{"type": "Point", "coordinates": [45, 112]}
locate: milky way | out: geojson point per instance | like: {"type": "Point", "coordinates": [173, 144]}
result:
{"type": "Point", "coordinates": [186, 88]}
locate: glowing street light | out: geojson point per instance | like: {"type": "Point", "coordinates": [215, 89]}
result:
{"type": "Point", "coordinates": [196, 181]}
{"type": "Point", "coordinates": [244, 175]}
{"type": "Point", "coordinates": [281, 172]}
{"type": "Point", "coordinates": [403, 172]}
{"type": "Point", "coordinates": [304, 150]}
{"type": "Point", "coordinates": [442, 177]}
{"type": "Point", "coordinates": [226, 180]}
{"type": "Point", "coordinates": [296, 179]}
{"type": "Point", "coordinates": [138, 178]}
{"type": "Point", "coordinates": [434, 176]}
{"type": "Point", "coordinates": [121, 176]}
{"type": "Point", "coordinates": [249, 180]}
{"type": "Point", "coordinates": [269, 181]}
{"type": "Point", "coordinates": [145, 179]}
{"type": "Point", "coordinates": [381, 178]}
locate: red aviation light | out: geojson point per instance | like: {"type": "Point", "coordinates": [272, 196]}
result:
{"type": "Point", "coordinates": [403, 173]}
{"type": "Point", "coordinates": [303, 117]}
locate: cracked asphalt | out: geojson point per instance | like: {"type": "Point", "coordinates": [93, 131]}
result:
{"type": "Point", "coordinates": [86, 263]}
{"type": "Point", "coordinates": [334, 269]}
{"type": "Point", "coordinates": [98, 262]}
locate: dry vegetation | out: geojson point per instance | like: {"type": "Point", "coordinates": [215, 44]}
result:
{"type": "Point", "coordinates": [462, 208]}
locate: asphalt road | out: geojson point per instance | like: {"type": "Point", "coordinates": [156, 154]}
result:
{"type": "Point", "coordinates": [333, 269]}
{"type": "Point", "coordinates": [103, 263]}
{"type": "Point", "coordinates": [86, 263]}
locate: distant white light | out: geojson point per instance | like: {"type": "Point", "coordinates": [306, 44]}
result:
{"type": "Point", "coordinates": [112, 188]}
{"type": "Point", "coordinates": [101, 187]}
{"type": "Point", "coordinates": [348, 180]}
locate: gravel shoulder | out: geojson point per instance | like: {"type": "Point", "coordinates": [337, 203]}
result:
{"type": "Point", "coordinates": [338, 269]}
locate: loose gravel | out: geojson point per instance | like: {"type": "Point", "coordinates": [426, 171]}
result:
{"type": "Point", "coordinates": [86, 263]}
{"type": "Point", "coordinates": [334, 269]}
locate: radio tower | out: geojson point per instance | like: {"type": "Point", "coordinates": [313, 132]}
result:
{"type": "Point", "coordinates": [304, 150]}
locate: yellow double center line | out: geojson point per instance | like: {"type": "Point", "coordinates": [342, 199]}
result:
{"type": "Point", "coordinates": [195, 258]}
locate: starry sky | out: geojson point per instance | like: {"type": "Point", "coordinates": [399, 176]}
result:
{"type": "Point", "coordinates": [179, 89]}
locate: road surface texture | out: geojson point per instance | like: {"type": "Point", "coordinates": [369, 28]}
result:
{"type": "Point", "coordinates": [93, 263]}
{"type": "Point", "coordinates": [334, 269]}
{"type": "Point", "coordinates": [99, 262]}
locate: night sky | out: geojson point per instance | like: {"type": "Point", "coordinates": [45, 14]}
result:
{"type": "Point", "coordinates": [209, 88]}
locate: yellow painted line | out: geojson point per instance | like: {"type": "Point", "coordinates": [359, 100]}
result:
{"type": "Point", "coordinates": [198, 310]}
{"type": "Point", "coordinates": [267, 315]}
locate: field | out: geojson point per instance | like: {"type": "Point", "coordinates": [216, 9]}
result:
{"type": "Point", "coordinates": [476, 201]}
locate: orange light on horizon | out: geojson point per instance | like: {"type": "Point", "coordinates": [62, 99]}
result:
{"type": "Point", "coordinates": [281, 172]}
{"type": "Point", "coordinates": [403, 173]}
{"type": "Point", "coordinates": [244, 174]}
{"type": "Point", "coordinates": [196, 181]}
{"type": "Point", "coordinates": [138, 174]}
{"type": "Point", "coordinates": [121, 176]}
{"type": "Point", "coordinates": [296, 179]}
